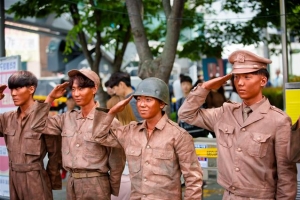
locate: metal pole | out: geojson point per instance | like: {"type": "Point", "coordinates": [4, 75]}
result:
{"type": "Point", "coordinates": [2, 37]}
{"type": "Point", "coordinates": [285, 70]}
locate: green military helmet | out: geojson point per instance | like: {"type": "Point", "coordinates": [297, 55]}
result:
{"type": "Point", "coordinates": [153, 87]}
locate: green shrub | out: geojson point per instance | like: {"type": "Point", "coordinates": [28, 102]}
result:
{"type": "Point", "coordinates": [293, 78]}
{"type": "Point", "coordinates": [275, 96]}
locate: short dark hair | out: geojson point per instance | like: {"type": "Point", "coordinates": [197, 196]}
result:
{"type": "Point", "coordinates": [83, 81]}
{"type": "Point", "coordinates": [186, 79]}
{"type": "Point", "coordinates": [106, 84]}
{"type": "Point", "coordinates": [22, 79]}
{"type": "Point", "coordinates": [263, 72]}
{"type": "Point", "coordinates": [118, 77]}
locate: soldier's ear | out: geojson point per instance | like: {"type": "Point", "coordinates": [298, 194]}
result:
{"type": "Point", "coordinates": [263, 81]}
{"type": "Point", "coordinates": [162, 104]}
{"type": "Point", "coordinates": [31, 89]}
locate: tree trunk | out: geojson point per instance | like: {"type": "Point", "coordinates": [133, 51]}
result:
{"type": "Point", "coordinates": [160, 67]}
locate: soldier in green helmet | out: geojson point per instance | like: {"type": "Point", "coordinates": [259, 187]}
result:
{"type": "Point", "coordinates": [158, 151]}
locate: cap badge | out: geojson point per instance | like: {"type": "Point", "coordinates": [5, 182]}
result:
{"type": "Point", "coordinates": [240, 58]}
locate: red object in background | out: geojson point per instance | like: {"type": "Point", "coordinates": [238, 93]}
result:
{"type": "Point", "coordinates": [3, 158]}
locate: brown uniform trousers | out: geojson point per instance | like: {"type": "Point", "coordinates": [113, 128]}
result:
{"type": "Point", "coordinates": [95, 170]}
{"type": "Point", "coordinates": [252, 154]}
{"type": "Point", "coordinates": [27, 148]}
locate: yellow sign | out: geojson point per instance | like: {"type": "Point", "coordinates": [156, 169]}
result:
{"type": "Point", "coordinates": [293, 103]}
{"type": "Point", "coordinates": [207, 152]}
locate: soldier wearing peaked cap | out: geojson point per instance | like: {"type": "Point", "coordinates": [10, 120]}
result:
{"type": "Point", "coordinates": [95, 170]}
{"type": "Point", "coordinates": [252, 136]}
{"type": "Point", "coordinates": [158, 151]}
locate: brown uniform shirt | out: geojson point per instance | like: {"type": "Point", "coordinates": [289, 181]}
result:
{"type": "Point", "coordinates": [155, 162]}
{"type": "Point", "coordinates": [252, 155]}
{"type": "Point", "coordinates": [78, 153]}
{"type": "Point", "coordinates": [27, 148]}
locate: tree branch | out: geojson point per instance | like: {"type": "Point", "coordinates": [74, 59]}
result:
{"type": "Point", "coordinates": [119, 56]}
{"type": "Point", "coordinates": [76, 19]}
{"type": "Point", "coordinates": [173, 31]}
{"type": "Point", "coordinates": [167, 7]}
{"type": "Point", "coordinates": [138, 30]}
{"type": "Point", "coordinates": [98, 53]}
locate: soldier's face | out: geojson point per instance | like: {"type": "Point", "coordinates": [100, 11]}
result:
{"type": "Point", "coordinates": [149, 107]}
{"type": "Point", "coordinates": [249, 86]}
{"type": "Point", "coordinates": [82, 96]}
{"type": "Point", "coordinates": [22, 95]}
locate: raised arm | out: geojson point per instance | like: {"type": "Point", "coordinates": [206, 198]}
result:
{"type": "Point", "coordinates": [190, 111]}
{"type": "Point", "coordinates": [2, 88]}
{"type": "Point", "coordinates": [106, 129]}
{"type": "Point", "coordinates": [57, 92]}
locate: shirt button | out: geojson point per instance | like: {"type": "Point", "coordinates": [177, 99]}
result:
{"type": "Point", "coordinates": [233, 188]}
{"type": "Point", "coordinates": [148, 147]}
{"type": "Point", "coordinates": [77, 145]}
{"type": "Point", "coordinates": [226, 130]}
{"type": "Point", "coordinates": [259, 138]}
{"type": "Point", "coordinates": [144, 195]}
{"type": "Point", "coordinates": [147, 163]}
{"type": "Point", "coordinates": [243, 129]}
{"type": "Point", "coordinates": [145, 180]}
{"type": "Point", "coordinates": [239, 149]}
{"type": "Point", "coordinates": [237, 169]}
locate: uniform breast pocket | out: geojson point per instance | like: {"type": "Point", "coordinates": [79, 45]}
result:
{"type": "Point", "coordinates": [162, 162]}
{"type": "Point", "coordinates": [10, 138]}
{"type": "Point", "coordinates": [32, 143]}
{"type": "Point", "coordinates": [67, 136]}
{"type": "Point", "coordinates": [225, 135]}
{"type": "Point", "coordinates": [258, 144]}
{"type": "Point", "coordinates": [92, 149]}
{"type": "Point", "coordinates": [133, 155]}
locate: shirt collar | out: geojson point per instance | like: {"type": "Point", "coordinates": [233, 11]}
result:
{"type": "Point", "coordinates": [91, 113]}
{"type": "Point", "coordinates": [256, 105]}
{"type": "Point", "coordinates": [160, 124]}
{"type": "Point", "coordinates": [29, 110]}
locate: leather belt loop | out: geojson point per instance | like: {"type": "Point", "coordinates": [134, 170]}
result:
{"type": "Point", "coordinates": [87, 174]}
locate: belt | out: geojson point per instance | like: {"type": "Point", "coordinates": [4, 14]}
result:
{"type": "Point", "coordinates": [25, 167]}
{"type": "Point", "coordinates": [87, 174]}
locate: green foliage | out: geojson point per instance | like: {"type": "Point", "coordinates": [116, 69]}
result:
{"type": "Point", "coordinates": [107, 17]}
{"type": "Point", "coordinates": [293, 78]}
{"type": "Point", "coordinates": [275, 96]}
{"type": "Point", "coordinates": [215, 34]}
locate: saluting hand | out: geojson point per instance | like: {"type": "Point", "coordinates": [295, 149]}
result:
{"type": "Point", "coordinates": [57, 92]}
{"type": "Point", "coordinates": [216, 83]}
{"type": "Point", "coordinates": [2, 88]}
{"type": "Point", "coordinates": [120, 106]}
